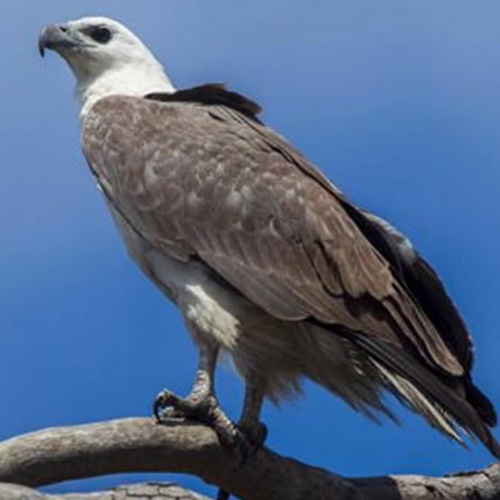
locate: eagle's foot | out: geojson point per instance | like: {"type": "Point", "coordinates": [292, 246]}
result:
{"type": "Point", "coordinates": [204, 408]}
{"type": "Point", "coordinates": [245, 439]}
{"type": "Point", "coordinates": [253, 438]}
{"type": "Point", "coordinates": [248, 442]}
{"type": "Point", "coordinates": [168, 405]}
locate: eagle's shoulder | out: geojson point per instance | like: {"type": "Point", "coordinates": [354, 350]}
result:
{"type": "Point", "coordinates": [211, 94]}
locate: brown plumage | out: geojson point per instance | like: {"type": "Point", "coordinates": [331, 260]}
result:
{"type": "Point", "coordinates": [202, 180]}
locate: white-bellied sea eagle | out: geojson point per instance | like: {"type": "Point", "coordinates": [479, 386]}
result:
{"type": "Point", "coordinates": [265, 258]}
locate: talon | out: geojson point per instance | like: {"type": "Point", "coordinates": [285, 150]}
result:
{"type": "Point", "coordinates": [203, 408]}
{"type": "Point", "coordinates": [258, 436]}
{"type": "Point", "coordinates": [168, 405]}
{"type": "Point", "coordinates": [249, 440]}
{"type": "Point", "coordinates": [161, 401]}
{"type": "Point", "coordinates": [157, 406]}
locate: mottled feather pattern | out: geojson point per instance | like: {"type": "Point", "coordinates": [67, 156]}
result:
{"type": "Point", "coordinates": [232, 192]}
{"type": "Point", "coordinates": [211, 185]}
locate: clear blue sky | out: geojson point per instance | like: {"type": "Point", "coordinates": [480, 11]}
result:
{"type": "Point", "coordinates": [399, 102]}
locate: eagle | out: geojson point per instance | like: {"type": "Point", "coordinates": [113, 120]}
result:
{"type": "Point", "coordinates": [266, 259]}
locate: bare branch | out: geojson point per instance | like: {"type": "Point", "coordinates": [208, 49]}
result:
{"type": "Point", "coordinates": [16, 492]}
{"type": "Point", "coordinates": [147, 491]}
{"type": "Point", "coordinates": [140, 445]}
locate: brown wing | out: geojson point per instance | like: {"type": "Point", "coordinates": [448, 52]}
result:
{"type": "Point", "coordinates": [204, 181]}
{"type": "Point", "coordinates": [240, 198]}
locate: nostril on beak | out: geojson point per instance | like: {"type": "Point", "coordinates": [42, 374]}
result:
{"type": "Point", "coordinates": [63, 28]}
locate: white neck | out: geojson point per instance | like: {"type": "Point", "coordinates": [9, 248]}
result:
{"type": "Point", "coordinates": [124, 80]}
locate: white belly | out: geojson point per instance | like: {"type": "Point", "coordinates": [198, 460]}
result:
{"type": "Point", "coordinates": [210, 309]}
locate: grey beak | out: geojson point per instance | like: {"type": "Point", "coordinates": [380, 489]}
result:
{"type": "Point", "coordinates": [55, 37]}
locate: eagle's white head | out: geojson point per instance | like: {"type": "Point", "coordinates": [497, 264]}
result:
{"type": "Point", "coordinates": [106, 59]}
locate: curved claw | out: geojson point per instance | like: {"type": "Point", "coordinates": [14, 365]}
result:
{"type": "Point", "coordinates": [257, 436]}
{"type": "Point", "coordinates": [254, 439]}
{"type": "Point", "coordinates": [160, 402]}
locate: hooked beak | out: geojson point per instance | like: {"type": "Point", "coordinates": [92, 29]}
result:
{"type": "Point", "coordinates": [57, 37]}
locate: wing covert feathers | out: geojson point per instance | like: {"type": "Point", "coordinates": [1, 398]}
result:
{"type": "Point", "coordinates": [210, 182]}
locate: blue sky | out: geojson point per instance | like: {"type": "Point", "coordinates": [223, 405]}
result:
{"type": "Point", "coordinates": [398, 102]}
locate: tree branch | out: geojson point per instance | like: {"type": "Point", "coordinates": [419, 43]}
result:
{"type": "Point", "coordinates": [147, 491]}
{"type": "Point", "coordinates": [139, 445]}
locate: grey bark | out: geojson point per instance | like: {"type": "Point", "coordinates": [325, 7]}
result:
{"type": "Point", "coordinates": [139, 445]}
{"type": "Point", "coordinates": [148, 491]}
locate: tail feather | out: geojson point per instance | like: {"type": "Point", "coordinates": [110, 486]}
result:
{"type": "Point", "coordinates": [406, 392]}
{"type": "Point", "coordinates": [443, 407]}
{"type": "Point", "coordinates": [481, 403]}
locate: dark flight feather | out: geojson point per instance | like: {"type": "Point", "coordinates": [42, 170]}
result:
{"type": "Point", "coordinates": [424, 284]}
{"type": "Point", "coordinates": [428, 290]}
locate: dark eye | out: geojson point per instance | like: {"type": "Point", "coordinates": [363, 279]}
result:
{"type": "Point", "coordinates": [101, 34]}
